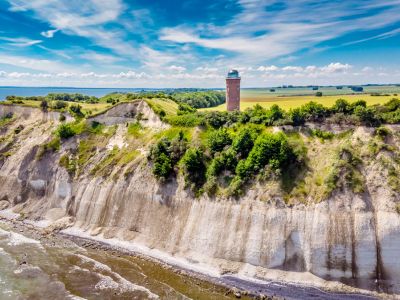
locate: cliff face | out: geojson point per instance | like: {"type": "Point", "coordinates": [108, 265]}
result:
{"type": "Point", "coordinates": [354, 238]}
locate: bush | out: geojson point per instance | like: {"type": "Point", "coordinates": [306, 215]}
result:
{"type": "Point", "coordinates": [318, 94]}
{"type": "Point", "coordinates": [244, 141]}
{"type": "Point", "coordinates": [44, 105]}
{"type": "Point", "coordinates": [162, 166]}
{"type": "Point", "coordinates": [218, 139]}
{"type": "Point", "coordinates": [60, 104]}
{"type": "Point", "coordinates": [271, 149]}
{"type": "Point", "coordinates": [324, 135]}
{"type": "Point", "coordinates": [193, 168]}
{"type": "Point", "coordinates": [65, 131]}
{"type": "Point", "coordinates": [297, 116]}
{"type": "Point", "coordinates": [166, 154]}
{"type": "Point", "coordinates": [342, 106]}
{"type": "Point", "coordinates": [76, 110]}
{"type": "Point", "coordinates": [382, 132]}
{"type": "Point", "coordinates": [366, 116]}
{"type": "Point", "coordinates": [185, 120]}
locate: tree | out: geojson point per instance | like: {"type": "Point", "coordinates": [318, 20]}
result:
{"type": "Point", "coordinates": [342, 106]}
{"type": "Point", "coordinates": [244, 141]}
{"type": "Point", "coordinates": [318, 94]}
{"type": "Point", "coordinates": [218, 139]}
{"type": "Point", "coordinates": [297, 116]}
{"type": "Point", "coordinates": [194, 168]}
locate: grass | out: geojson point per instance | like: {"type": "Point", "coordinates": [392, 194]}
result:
{"type": "Point", "coordinates": [170, 107]}
{"type": "Point", "coordinates": [86, 107]}
{"type": "Point", "coordinates": [115, 157]}
{"type": "Point", "coordinates": [288, 102]}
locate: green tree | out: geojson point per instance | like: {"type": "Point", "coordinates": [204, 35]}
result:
{"type": "Point", "coordinates": [218, 139]}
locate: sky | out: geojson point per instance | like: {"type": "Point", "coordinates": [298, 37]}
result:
{"type": "Point", "coordinates": [194, 43]}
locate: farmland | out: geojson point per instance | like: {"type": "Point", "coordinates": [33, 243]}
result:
{"type": "Point", "coordinates": [288, 98]}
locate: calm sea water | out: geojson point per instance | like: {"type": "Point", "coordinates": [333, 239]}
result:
{"type": "Point", "coordinates": [33, 269]}
{"type": "Point", "coordinates": [43, 91]}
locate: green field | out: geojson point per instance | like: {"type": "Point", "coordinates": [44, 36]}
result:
{"type": "Point", "coordinates": [288, 98]}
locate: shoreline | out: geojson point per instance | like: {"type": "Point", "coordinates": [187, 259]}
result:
{"type": "Point", "coordinates": [233, 284]}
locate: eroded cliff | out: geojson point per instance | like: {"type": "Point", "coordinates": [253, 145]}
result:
{"type": "Point", "coordinates": [351, 235]}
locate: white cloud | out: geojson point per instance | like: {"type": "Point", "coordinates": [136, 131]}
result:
{"type": "Point", "coordinates": [33, 64]}
{"type": "Point", "coordinates": [297, 26]}
{"type": "Point", "coordinates": [292, 69]}
{"type": "Point", "coordinates": [267, 68]}
{"type": "Point", "coordinates": [49, 33]}
{"type": "Point", "coordinates": [336, 67]}
{"type": "Point", "coordinates": [177, 68]}
{"type": "Point", "coordinates": [86, 19]}
{"type": "Point", "coordinates": [20, 42]}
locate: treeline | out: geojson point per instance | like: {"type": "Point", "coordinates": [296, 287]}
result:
{"type": "Point", "coordinates": [201, 99]}
{"type": "Point", "coordinates": [195, 99]}
{"type": "Point", "coordinates": [342, 112]}
{"type": "Point", "coordinates": [227, 159]}
{"type": "Point", "coordinates": [55, 97]}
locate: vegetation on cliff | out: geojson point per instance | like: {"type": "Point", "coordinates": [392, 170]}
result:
{"type": "Point", "coordinates": [229, 153]}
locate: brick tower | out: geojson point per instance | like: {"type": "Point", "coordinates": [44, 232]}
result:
{"type": "Point", "coordinates": [233, 91]}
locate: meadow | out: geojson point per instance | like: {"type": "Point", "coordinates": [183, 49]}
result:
{"type": "Point", "coordinates": [288, 98]}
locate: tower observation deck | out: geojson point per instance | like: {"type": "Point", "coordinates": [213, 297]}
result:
{"type": "Point", "coordinates": [233, 90]}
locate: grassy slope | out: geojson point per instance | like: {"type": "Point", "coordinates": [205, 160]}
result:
{"type": "Point", "coordinates": [94, 108]}
{"type": "Point", "coordinates": [169, 106]}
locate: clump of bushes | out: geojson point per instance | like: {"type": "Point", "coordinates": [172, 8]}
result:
{"type": "Point", "coordinates": [166, 154]}
{"type": "Point", "coordinates": [65, 131]}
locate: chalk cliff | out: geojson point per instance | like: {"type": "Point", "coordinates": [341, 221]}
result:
{"type": "Point", "coordinates": [349, 237]}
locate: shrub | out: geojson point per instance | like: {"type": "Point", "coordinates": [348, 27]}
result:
{"type": "Point", "coordinates": [244, 141]}
{"type": "Point", "coordinates": [62, 118]}
{"type": "Point", "coordinates": [193, 168]}
{"type": "Point", "coordinates": [162, 166]}
{"type": "Point", "coordinates": [324, 135]}
{"type": "Point", "coordinates": [44, 105]}
{"type": "Point", "coordinates": [366, 116]}
{"type": "Point", "coordinates": [60, 104]}
{"type": "Point", "coordinates": [297, 116]}
{"type": "Point", "coordinates": [185, 120]}
{"type": "Point", "coordinates": [342, 106]}
{"type": "Point", "coordinates": [382, 132]}
{"type": "Point", "coordinates": [272, 149]}
{"type": "Point", "coordinates": [165, 155]}
{"type": "Point", "coordinates": [318, 94]}
{"type": "Point", "coordinates": [65, 131]}
{"type": "Point", "coordinates": [76, 110]}
{"type": "Point", "coordinates": [218, 139]}
{"type": "Point", "coordinates": [184, 108]}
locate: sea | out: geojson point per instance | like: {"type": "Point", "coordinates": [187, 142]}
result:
{"type": "Point", "coordinates": [43, 91]}
{"type": "Point", "coordinates": [32, 268]}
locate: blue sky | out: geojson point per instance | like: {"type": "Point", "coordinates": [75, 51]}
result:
{"type": "Point", "coordinates": [123, 43]}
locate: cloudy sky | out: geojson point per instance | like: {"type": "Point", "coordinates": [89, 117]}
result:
{"type": "Point", "coordinates": [193, 43]}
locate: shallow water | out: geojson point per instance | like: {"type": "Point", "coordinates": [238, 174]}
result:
{"type": "Point", "coordinates": [30, 269]}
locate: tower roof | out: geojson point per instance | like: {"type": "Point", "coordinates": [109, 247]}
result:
{"type": "Point", "coordinates": [233, 74]}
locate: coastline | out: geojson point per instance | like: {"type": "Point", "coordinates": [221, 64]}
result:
{"type": "Point", "coordinates": [234, 285]}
